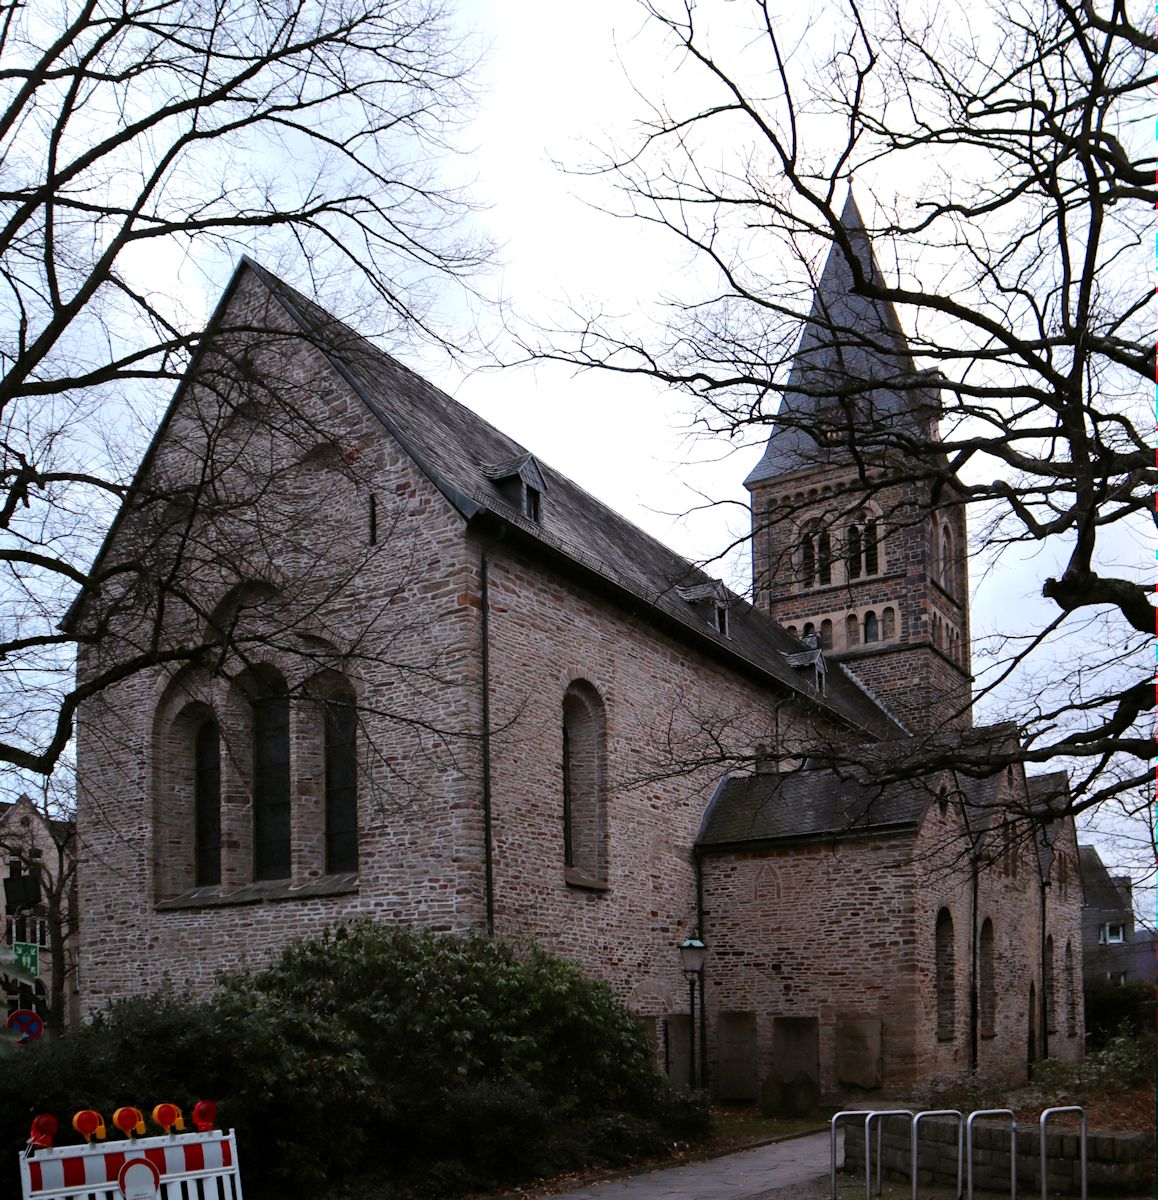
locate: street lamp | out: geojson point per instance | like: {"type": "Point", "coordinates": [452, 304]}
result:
{"type": "Point", "coordinates": [692, 954]}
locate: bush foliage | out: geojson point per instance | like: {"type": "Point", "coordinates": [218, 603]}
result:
{"type": "Point", "coordinates": [1112, 1007]}
{"type": "Point", "coordinates": [440, 1063]}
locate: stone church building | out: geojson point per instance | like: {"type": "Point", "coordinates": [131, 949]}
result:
{"type": "Point", "coordinates": [406, 669]}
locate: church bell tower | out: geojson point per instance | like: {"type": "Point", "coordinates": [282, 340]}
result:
{"type": "Point", "coordinates": [852, 539]}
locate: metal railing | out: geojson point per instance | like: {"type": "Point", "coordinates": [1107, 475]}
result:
{"type": "Point", "coordinates": [964, 1131]}
{"type": "Point", "coordinates": [993, 1112]}
{"type": "Point", "coordinates": [939, 1112]}
{"type": "Point", "coordinates": [1045, 1116]}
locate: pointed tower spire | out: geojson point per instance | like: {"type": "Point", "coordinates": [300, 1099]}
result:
{"type": "Point", "coordinates": [845, 543]}
{"type": "Point", "coordinates": [852, 373]}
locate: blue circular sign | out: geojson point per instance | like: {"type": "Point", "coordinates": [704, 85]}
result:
{"type": "Point", "coordinates": [27, 1023]}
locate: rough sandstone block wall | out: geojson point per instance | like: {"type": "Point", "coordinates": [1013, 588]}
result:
{"type": "Point", "coordinates": [824, 931]}
{"type": "Point", "coordinates": [923, 682]}
{"type": "Point", "coordinates": [398, 616]}
{"type": "Point", "coordinates": [663, 704]}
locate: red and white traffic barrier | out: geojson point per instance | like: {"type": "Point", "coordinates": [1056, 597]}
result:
{"type": "Point", "coordinates": [154, 1168]}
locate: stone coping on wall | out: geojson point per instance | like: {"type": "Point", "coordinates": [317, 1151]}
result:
{"type": "Point", "coordinates": [1118, 1164]}
{"type": "Point", "coordinates": [261, 891]}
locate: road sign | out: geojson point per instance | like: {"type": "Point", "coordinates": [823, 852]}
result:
{"type": "Point", "coordinates": [139, 1179]}
{"type": "Point", "coordinates": [27, 1023]}
{"type": "Point", "coordinates": [27, 955]}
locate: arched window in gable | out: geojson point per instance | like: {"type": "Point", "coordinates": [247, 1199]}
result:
{"type": "Point", "coordinates": [269, 701]}
{"type": "Point", "coordinates": [807, 560]}
{"type": "Point", "coordinates": [945, 977]}
{"type": "Point", "coordinates": [947, 563]}
{"type": "Point", "coordinates": [1047, 988]}
{"type": "Point", "coordinates": [889, 624]}
{"type": "Point", "coordinates": [207, 804]}
{"type": "Point", "coordinates": [851, 630]}
{"type": "Point", "coordinates": [584, 784]}
{"type": "Point", "coordinates": [1071, 993]}
{"type": "Point", "coordinates": [871, 627]}
{"type": "Point", "coordinates": [340, 752]}
{"type": "Point", "coordinates": [824, 558]}
{"type": "Point", "coordinates": [826, 634]}
{"type": "Point", "coordinates": [987, 999]}
{"type": "Point", "coordinates": [853, 562]}
{"type": "Point", "coordinates": [871, 556]}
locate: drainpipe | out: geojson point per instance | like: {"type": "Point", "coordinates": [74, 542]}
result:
{"type": "Point", "coordinates": [488, 848]}
{"type": "Point", "coordinates": [1045, 995]}
{"type": "Point", "coordinates": [973, 1007]}
{"type": "Point", "coordinates": [697, 863]}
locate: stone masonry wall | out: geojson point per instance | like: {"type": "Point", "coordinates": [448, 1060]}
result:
{"type": "Point", "coordinates": [391, 612]}
{"type": "Point", "coordinates": [826, 932]}
{"type": "Point", "coordinates": [921, 675]}
{"type": "Point", "coordinates": [663, 702]}
{"type": "Point", "coordinates": [1010, 898]}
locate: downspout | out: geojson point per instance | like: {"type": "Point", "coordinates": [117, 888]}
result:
{"type": "Point", "coordinates": [1046, 996]}
{"type": "Point", "coordinates": [697, 863]}
{"type": "Point", "coordinates": [488, 848]}
{"type": "Point", "coordinates": [973, 1008]}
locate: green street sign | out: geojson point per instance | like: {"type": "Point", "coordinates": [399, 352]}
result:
{"type": "Point", "coordinates": [27, 955]}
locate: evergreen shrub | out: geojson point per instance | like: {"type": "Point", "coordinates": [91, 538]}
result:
{"type": "Point", "coordinates": [434, 1063]}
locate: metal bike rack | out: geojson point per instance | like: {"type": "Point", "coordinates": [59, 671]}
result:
{"type": "Point", "coordinates": [877, 1115]}
{"type": "Point", "coordinates": [1049, 1112]}
{"type": "Point", "coordinates": [848, 1112]}
{"type": "Point", "coordinates": [994, 1112]}
{"type": "Point", "coordinates": [939, 1112]}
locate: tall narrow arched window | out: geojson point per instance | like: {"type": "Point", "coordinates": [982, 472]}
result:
{"type": "Point", "coordinates": [947, 562]}
{"type": "Point", "coordinates": [824, 558]}
{"type": "Point", "coordinates": [1071, 994]}
{"type": "Point", "coordinates": [987, 998]}
{"type": "Point", "coordinates": [871, 627]}
{"type": "Point", "coordinates": [871, 557]}
{"type": "Point", "coordinates": [826, 634]}
{"type": "Point", "coordinates": [207, 804]}
{"type": "Point", "coordinates": [584, 784]}
{"type": "Point", "coordinates": [340, 734]}
{"type": "Point", "coordinates": [889, 624]}
{"type": "Point", "coordinates": [945, 977]}
{"type": "Point", "coordinates": [807, 560]}
{"type": "Point", "coordinates": [271, 778]}
{"type": "Point", "coordinates": [851, 630]}
{"type": "Point", "coordinates": [853, 552]}
{"type": "Point", "coordinates": [1047, 988]}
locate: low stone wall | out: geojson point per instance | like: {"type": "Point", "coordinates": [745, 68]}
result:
{"type": "Point", "coordinates": [1118, 1164]}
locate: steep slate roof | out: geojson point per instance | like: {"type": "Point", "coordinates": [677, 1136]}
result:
{"type": "Point", "coordinates": [1100, 890]}
{"type": "Point", "coordinates": [458, 452]}
{"type": "Point", "coordinates": [848, 343]}
{"type": "Point", "coordinates": [806, 805]}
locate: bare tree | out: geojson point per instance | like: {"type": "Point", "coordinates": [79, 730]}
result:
{"type": "Point", "coordinates": [1016, 141]}
{"type": "Point", "coordinates": [134, 138]}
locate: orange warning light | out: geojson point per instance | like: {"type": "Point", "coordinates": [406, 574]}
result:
{"type": "Point", "coordinates": [169, 1117]}
{"type": "Point", "coordinates": [88, 1123]}
{"type": "Point", "coordinates": [129, 1120]}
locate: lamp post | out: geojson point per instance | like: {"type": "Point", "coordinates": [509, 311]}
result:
{"type": "Point", "coordinates": [692, 954]}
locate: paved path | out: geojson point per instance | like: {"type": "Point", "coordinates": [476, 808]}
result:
{"type": "Point", "coordinates": [745, 1175]}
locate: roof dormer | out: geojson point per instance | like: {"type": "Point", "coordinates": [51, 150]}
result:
{"type": "Point", "coordinates": [521, 484]}
{"type": "Point", "coordinates": [712, 599]}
